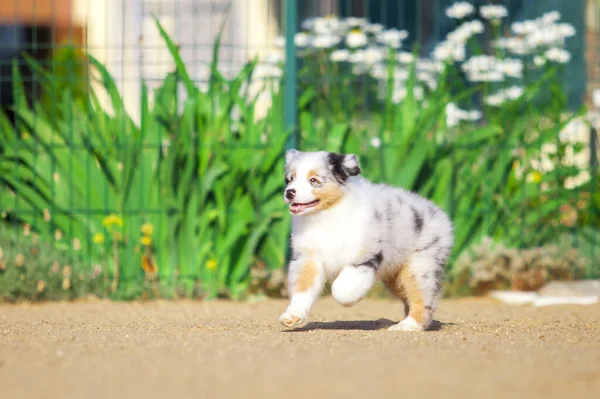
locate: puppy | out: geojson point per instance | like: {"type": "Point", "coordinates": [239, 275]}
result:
{"type": "Point", "coordinates": [350, 231]}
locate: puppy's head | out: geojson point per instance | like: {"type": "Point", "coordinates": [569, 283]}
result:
{"type": "Point", "coordinates": [315, 180]}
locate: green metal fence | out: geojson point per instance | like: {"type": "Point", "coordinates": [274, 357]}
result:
{"type": "Point", "coordinates": [167, 179]}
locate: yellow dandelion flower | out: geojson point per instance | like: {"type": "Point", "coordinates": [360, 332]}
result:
{"type": "Point", "coordinates": [536, 176]}
{"type": "Point", "coordinates": [111, 220]}
{"type": "Point", "coordinates": [147, 229]}
{"type": "Point", "coordinates": [146, 241]}
{"type": "Point", "coordinates": [355, 31]}
{"type": "Point", "coordinates": [98, 238]}
{"type": "Point", "coordinates": [211, 264]}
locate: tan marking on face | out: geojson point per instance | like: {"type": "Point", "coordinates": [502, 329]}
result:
{"type": "Point", "coordinates": [328, 195]}
{"type": "Point", "coordinates": [312, 173]}
{"type": "Point", "coordinates": [306, 277]}
{"type": "Point", "coordinates": [404, 286]}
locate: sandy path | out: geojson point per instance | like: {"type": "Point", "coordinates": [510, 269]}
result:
{"type": "Point", "coordinates": [232, 350]}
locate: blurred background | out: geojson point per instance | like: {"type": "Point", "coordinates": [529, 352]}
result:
{"type": "Point", "coordinates": [141, 142]}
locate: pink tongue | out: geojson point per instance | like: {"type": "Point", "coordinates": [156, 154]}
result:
{"type": "Point", "coordinates": [297, 207]}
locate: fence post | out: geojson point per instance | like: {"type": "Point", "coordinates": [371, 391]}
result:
{"type": "Point", "coordinates": [290, 111]}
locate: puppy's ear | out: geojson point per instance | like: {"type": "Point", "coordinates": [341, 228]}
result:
{"type": "Point", "coordinates": [290, 155]}
{"type": "Point", "coordinates": [351, 164]}
{"type": "Point", "coordinates": [343, 166]}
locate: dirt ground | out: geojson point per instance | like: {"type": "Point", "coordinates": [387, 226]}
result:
{"type": "Point", "coordinates": [237, 350]}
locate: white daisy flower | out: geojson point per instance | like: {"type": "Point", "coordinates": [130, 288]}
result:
{"type": "Point", "coordinates": [301, 39]}
{"type": "Point", "coordinates": [454, 115]}
{"type": "Point", "coordinates": [418, 92]}
{"type": "Point", "coordinates": [374, 28]}
{"type": "Point", "coordinates": [448, 50]}
{"type": "Point", "coordinates": [493, 12]}
{"type": "Point", "coordinates": [559, 55]}
{"type": "Point", "coordinates": [551, 17]}
{"type": "Point", "coordinates": [566, 30]}
{"type": "Point", "coordinates": [460, 10]}
{"type": "Point", "coordinates": [376, 142]}
{"type": "Point", "coordinates": [401, 74]}
{"type": "Point", "coordinates": [510, 94]}
{"type": "Point", "coordinates": [392, 37]}
{"type": "Point", "coordinates": [325, 41]}
{"type": "Point", "coordinates": [399, 94]}
{"type": "Point", "coordinates": [514, 92]}
{"type": "Point", "coordinates": [405, 57]}
{"type": "Point", "coordinates": [539, 61]}
{"type": "Point", "coordinates": [512, 67]}
{"type": "Point", "coordinates": [340, 55]}
{"type": "Point", "coordinates": [356, 38]}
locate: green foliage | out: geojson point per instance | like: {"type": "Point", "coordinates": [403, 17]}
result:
{"type": "Point", "coordinates": [35, 270]}
{"type": "Point", "coordinates": [204, 187]}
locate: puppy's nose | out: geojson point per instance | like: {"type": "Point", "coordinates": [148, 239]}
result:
{"type": "Point", "coordinates": [290, 193]}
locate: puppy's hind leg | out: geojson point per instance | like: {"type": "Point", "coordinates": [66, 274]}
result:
{"type": "Point", "coordinates": [418, 284]}
{"type": "Point", "coordinates": [306, 280]}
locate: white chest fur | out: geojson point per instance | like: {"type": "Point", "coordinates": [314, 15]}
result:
{"type": "Point", "coordinates": [337, 237]}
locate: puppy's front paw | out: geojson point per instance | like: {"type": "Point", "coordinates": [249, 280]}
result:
{"type": "Point", "coordinates": [408, 324]}
{"type": "Point", "coordinates": [291, 320]}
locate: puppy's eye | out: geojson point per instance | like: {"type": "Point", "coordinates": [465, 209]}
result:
{"type": "Point", "coordinates": [314, 182]}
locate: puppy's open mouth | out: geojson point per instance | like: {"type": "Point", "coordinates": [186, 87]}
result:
{"type": "Point", "coordinates": [297, 208]}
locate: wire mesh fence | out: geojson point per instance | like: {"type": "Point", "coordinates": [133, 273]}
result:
{"type": "Point", "coordinates": [142, 141]}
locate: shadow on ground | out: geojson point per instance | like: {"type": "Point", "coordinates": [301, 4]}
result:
{"type": "Point", "coordinates": [361, 325]}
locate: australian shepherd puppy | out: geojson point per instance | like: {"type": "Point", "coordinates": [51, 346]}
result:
{"type": "Point", "coordinates": [350, 231]}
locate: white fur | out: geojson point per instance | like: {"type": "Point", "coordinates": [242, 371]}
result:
{"type": "Point", "coordinates": [408, 324]}
{"type": "Point", "coordinates": [352, 284]}
{"type": "Point", "coordinates": [342, 237]}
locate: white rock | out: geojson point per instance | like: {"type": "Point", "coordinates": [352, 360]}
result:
{"type": "Point", "coordinates": [565, 300]}
{"type": "Point", "coordinates": [514, 297]}
{"type": "Point", "coordinates": [571, 288]}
